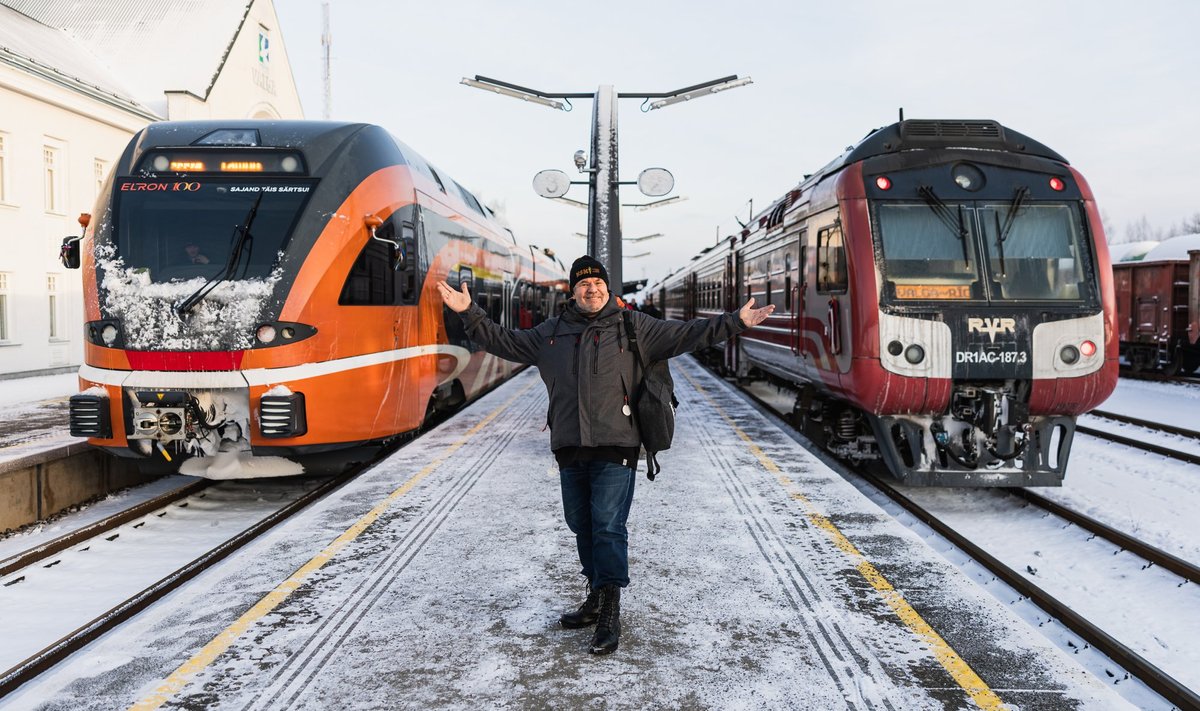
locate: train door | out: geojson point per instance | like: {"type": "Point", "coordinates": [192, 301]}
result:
{"type": "Point", "coordinates": [832, 285]}
{"type": "Point", "coordinates": [736, 288]}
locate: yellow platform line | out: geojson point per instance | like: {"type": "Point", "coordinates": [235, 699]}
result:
{"type": "Point", "coordinates": [206, 656]}
{"type": "Point", "coordinates": [956, 666]}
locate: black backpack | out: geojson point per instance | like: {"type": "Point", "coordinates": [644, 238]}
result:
{"type": "Point", "coordinates": [654, 403]}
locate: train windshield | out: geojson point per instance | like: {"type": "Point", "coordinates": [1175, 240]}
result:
{"type": "Point", "coordinates": [927, 255]}
{"type": "Point", "coordinates": [1035, 252]}
{"type": "Point", "coordinates": [177, 230]}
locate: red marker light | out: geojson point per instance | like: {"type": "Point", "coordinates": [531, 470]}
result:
{"type": "Point", "coordinates": [1088, 349]}
{"type": "Point", "coordinates": [1058, 185]}
{"type": "Point", "coordinates": [883, 183]}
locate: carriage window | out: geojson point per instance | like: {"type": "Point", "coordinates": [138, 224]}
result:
{"type": "Point", "coordinates": [831, 261]}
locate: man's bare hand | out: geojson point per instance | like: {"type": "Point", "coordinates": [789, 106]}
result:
{"type": "Point", "coordinates": [752, 316]}
{"type": "Point", "coordinates": [458, 301]}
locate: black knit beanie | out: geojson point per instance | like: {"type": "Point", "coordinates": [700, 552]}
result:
{"type": "Point", "coordinates": [585, 268]}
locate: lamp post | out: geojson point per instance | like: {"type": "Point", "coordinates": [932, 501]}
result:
{"type": "Point", "coordinates": [604, 219]}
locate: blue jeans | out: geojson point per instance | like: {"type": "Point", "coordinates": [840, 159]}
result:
{"type": "Point", "coordinates": [596, 498]}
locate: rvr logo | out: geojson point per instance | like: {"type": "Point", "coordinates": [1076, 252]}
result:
{"type": "Point", "coordinates": [992, 326]}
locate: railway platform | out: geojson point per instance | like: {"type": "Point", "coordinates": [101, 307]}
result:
{"type": "Point", "coordinates": [760, 579]}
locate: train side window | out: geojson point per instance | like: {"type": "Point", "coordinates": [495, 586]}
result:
{"type": "Point", "coordinates": [372, 280]}
{"type": "Point", "coordinates": [438, 178]}
{"type": "Point", "coordinates": [832, 276]}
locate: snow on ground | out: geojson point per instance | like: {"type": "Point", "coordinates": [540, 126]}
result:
{"type": "Point", "coordinates": [35, 535]}
{"type": "Point", "coordinates": [23, 392]}
{"type": "Point", "coordinates": [450, 599]}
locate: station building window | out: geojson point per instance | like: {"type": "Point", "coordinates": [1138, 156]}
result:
{"type": "Point", "coordinates": [53, 172]}
{"type": "Point", "coordinates": [56, 333]}
{"type": "Point", "coordinates": [5, 328]}
{"type": "Point", "coordinates": [99, 173]}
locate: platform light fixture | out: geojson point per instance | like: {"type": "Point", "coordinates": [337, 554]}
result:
{"type": "Point", "coordinates": [514, 91]}
{"type": "Point", "coordinates": [696, 92]}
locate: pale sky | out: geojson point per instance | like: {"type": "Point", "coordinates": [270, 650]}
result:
{"type": "Point", "coordinates": [1112, 86]}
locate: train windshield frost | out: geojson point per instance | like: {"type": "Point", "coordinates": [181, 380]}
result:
{"type": "Point", "coordinates": [178, 230]}
{"type": "Point", "coordinates": [1036, 252]}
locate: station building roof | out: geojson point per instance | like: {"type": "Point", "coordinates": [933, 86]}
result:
{"type": "Point", "coordinates": [55, 56]}
{"type": "Point", "coordinates": [155, 46]}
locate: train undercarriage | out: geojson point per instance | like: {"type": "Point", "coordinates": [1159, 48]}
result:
{"type": "Point", "coordinates": [986, 439]}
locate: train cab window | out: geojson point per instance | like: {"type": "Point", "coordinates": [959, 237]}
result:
{"type": "Point", "coordinates": [372, 280]}
{"type": "Point", "coordinates": [1041, 255]}
{"type": "Point", "coordinates": [925, 258]}
{"type": "Point", "coordinates": [832, 276]}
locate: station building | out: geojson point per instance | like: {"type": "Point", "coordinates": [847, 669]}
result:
{"type": "Point", "coordinates": [78, 78]}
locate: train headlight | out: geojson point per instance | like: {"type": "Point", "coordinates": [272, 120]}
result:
{"type": "Point", "coordinates": [266, 334]}
{"type": "Point", "coordinates": [883, 183]}
{"type": "Point", "coordinates": [1057, 184]}
{"type": "Point", "coordinates": [289, 164]}
{"type": "Point", "coordinates": [109, 334]}
{"type": "Point", "coordinates": [914, 354]}
{"type": "Point", "coordinates": [1088, 349]}
{"type": "Point", "coordinates": [895, 348]}
{"type": "Point", "coordinates": [1069, 355]}
{"type": "Point", "coordinates": [967, 176]}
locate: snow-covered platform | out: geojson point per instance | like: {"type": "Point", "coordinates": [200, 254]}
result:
{"type": "Point", "coordinates": [760, 580]}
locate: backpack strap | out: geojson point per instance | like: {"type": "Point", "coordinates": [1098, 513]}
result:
{"type": "Point", "coordinates": [652, 465]}
{"type": "Point", "coordinates": [631, 334]}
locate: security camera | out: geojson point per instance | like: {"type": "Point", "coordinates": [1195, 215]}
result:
{"type": "Point", "coordinates": [580, 160]}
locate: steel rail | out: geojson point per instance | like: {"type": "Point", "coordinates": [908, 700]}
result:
{"type": "Point", "coordinates": [1148, 424]}
{"type": "Point", "coordinates": [1151, 554]}
{"type": "Point", "coordinates": [29, 669]}
{"type": "Point", "coordinates": [45, 550]}
{"type": "Point", "coordinates": [73, 642]}
{"type": "Point", "coordinates": [1138, 444]}
{"type": "Point", "coordinates": [1149, 674]}
{"type": "Point", "coordinates": [1158, 680]}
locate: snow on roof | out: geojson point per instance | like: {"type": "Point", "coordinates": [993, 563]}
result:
{"type": "Point", "coordinates": [132, 36]}
{"type": "Point", "coordinates": [1174, 248]}
{"type": "Point", "coordinates": [52, 53]}
{"type": "Point", "coordinates": [1130, 251]}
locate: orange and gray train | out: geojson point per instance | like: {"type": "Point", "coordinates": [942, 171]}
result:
{"type": "Point", "coordinates": [261, 292]}
{"type": "Point", "coordinates": [944, 302]}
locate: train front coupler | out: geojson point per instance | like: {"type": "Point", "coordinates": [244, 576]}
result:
{"type": "Point", "coordinates": [174, 422]}
{"type": "Point", "coordinates": [987, 438]}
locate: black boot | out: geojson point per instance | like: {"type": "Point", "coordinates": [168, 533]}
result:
{"type": "Point", "coordinates": [587, 613]}
{"type": "Point", "coordinates": [608, 627]}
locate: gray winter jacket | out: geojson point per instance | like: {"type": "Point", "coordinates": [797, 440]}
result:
{"type": "Point", "coordinates": [587, 365]}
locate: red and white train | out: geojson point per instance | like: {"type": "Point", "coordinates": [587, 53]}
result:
{"type": "Point", "coordinates": [944, 303]}
{"type": "Point", "coordinates": [260, 294]}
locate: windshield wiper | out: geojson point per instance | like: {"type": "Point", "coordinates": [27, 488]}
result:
{"type": "Point", "coordinates": [946, 215]}
{"type": "Point", "coordinates": [1000, 243]}
{"type": "Point", "coordinates": [242, 245]}
{"type": "Point", "coordinates": [1017, 203]}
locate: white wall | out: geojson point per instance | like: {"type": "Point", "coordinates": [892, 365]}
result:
{"type": "Point", "coordinates": [33, 114]}
{"type": "Point", "coordinates": [34, 111]}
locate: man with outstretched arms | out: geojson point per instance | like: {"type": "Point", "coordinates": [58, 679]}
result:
{"type": "Point", "coordinates": [584, 359]}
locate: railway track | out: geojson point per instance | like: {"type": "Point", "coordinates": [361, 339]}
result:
{"type": "Point", "coordinates": [34, 665]}
{"type": "Point", "coordinates": [52, 654]}
{"type": "Point", "coordinates": [1136, 665]}
{"type": "Point", "coordinates": [1159, 449]}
